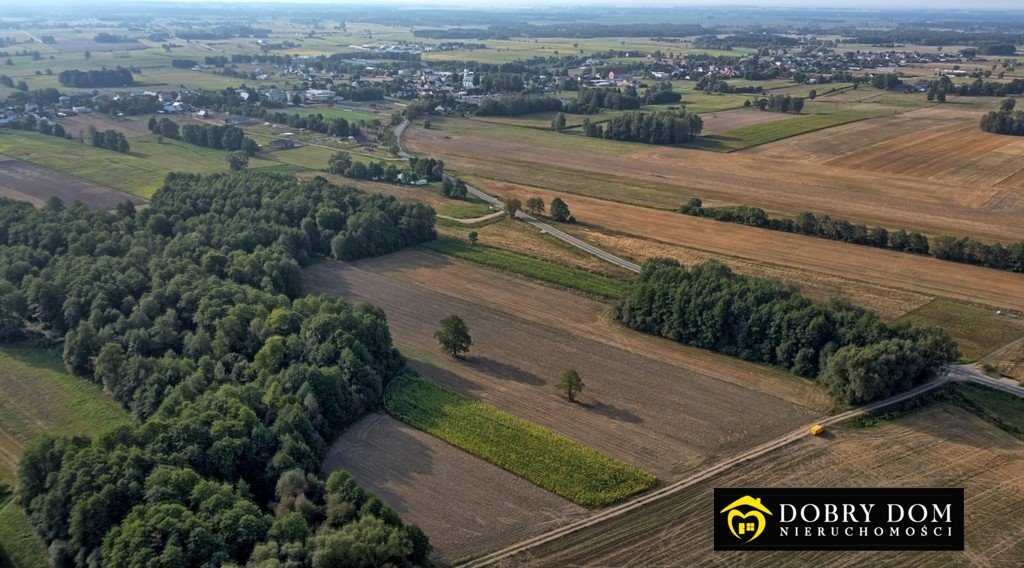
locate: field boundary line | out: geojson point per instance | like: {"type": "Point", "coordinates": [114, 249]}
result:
{"type": "Point", "coordinates": [955, 373]}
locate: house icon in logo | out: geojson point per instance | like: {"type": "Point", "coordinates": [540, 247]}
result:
{"type": "Point", "coordinates": [746, 518]}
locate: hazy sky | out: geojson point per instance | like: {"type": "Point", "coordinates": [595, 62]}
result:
{"type": "Point", "coordinates": [834, 4]}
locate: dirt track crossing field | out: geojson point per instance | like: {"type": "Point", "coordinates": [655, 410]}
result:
{"type": "Point", "coordinates": [665, 177]}
{"type": "Point", "coordinates": [652, 403]}
{"type": "Point", "coordinates": [463, 503]}
{"type": "Point", "coordinates": [812, 256]}
{"type": "Point", "coordinates": [27, 182]}
{"type": "Point", "coordinates": [940, 446]}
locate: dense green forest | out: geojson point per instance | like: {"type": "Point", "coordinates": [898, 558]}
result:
{"type": "Point", "coordinates": [846, 348]}
{"type": "Point", "coordinates": [191, 314]}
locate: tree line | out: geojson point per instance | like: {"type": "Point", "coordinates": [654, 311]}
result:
{"type": "Point", "coordinates": [428, 169]}
{"type": "Point", "coordinates": [956, 249]}
{"type": "Point", "coordinates": [845, 348]}
{"type": "Point", "coordinates": [517, 105]}
{"type": "Point", "coordinates": [777, 103]}
{"type": "Point", "coordinates": [96, 78]}
{"type": "Point", "coordinates": [662, 127]}
{"type": "Point", "coordinates": [191, 314]}
{"type": "Point", "coordinates": [592, 100]}
{"type": "Point", "coordinates": [317, 123]}
{"type": "Point", "coordinates": [230, 138]}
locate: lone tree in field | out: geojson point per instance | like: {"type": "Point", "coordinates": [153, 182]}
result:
{"type": "Point", "coordinates": [473, 236]}
{"type": "Point", "coordinates": [512, 206]}
{"type": "Point", "coordinates": [535, 205]}
{"type": "Point", "coordinates": [559, 210]}
{"type": "Point", "coordinates": [454, 336]}
{"type": "Point", "coordinates": [238, 161]}
{"type": "Point", "coordinates": [570, 384]}
{"type": "Point", "coordinates": [558, 123]}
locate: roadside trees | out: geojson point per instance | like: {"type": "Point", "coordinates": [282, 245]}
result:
{"type": "Point", "coordinates": [559, 210]}
{"type": "Point", "coordinates": [512, 206]}
{"type": "Point", "coordinates": [535, 205]}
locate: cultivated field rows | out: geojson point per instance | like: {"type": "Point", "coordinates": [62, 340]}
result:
{"type": "Point", "coordinates": [873, 268]}
{"type": "Point", "coordinates": [940, 446]}
{"type": "Point", "coordinates": [665, 177]}
{"type": "Point", "coordinates": [658, 405]}
{"type": "Point", "coordinates": [420, 476]}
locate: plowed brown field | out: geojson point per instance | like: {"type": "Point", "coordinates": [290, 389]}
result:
{"type": "Point", "coordinates": [656, 404]}
{"type": "Point", "coordinates": [420, 477]}
{"type": "Point", "coordinates": [665, 177]}
{"type": "Point", "coordinates": [942, 446]}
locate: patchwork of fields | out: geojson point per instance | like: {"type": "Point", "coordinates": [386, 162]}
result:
{"type": "Point", "coordinates": [940, 446]}
{"type": "Point", "coordinates": [526, 334]}
{"type": "Point", "coordinates": [665, 177]}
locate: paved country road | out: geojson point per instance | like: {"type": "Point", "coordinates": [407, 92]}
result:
{"type": "Point", "coordinates": [955, 373]}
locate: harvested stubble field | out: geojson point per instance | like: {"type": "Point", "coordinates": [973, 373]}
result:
{"type": "Point", "coordinates": [940, 143]}
{"type": "Point", "coordinates": [27, 182]}
{"type": "Point", "coordinates": [665, 177]}
{"type": "Point", "coordinates": [940, 446]}
{"type": "Point", "coordinates": [420, 476]}
{"type": "Point", "coordinates": [730, 119]}
{"type": "Point", "coordinates": [651, 403]}
{"type": "Point", "coordinates": [805, 258]}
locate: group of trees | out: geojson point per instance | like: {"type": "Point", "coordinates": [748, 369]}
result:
{"type": "Point", "coordinates": [501, 83]}
{"type": "Point", "coordinates": [662, 127]}
{"type": "Point", "coordinates": [962, 249]}
{"type": "Point", "coordinates": [96, 78]}
{"type": "Point", "coordinates": [979, 88]}
{"type": "Point", "coordinates": [30, 122]}
{"type": "Point", "coordinates": [777, 103]}
{"type": "Point", "coordinates": [716, 84]}
{"type": "Point", "coordinates": [230, 138]}
{"type": "Point", "coordinates": [662, 93]}
{"type": "Point", "coordinates": [190, 313]}
{"type": "Point", "coordinates": [109, 139]}
{"type": "Point", "coordinates": [317, 123]}
{"type": "Point", "coordinates": [454, 188]}
{"type": "Point", "coordinates": [517, 105]}
{"type": "Point", "coordinates": [592, 100]}
{"type": "Point", "coordinates": [184, 63]}
{"type": "Point", "coordinates": [846, 348]}
{"type": "Point", "coordinates": [418, 169]}
{"type": "Point", "coordinates": [1005, 120]}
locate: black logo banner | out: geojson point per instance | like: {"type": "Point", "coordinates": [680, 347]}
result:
{"type": "Point", "coordinates": [839, 519]}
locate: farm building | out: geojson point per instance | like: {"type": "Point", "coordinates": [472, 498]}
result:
{"type": "Point", "coordinates": [281, 144]}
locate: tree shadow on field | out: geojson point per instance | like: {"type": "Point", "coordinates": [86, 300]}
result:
{"type": "Point", "coordinates": [500, 370]}
{"type": "Point", "coordinates": [612, 411]}
{"type": "Point", "coordinates": [444, 377]}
